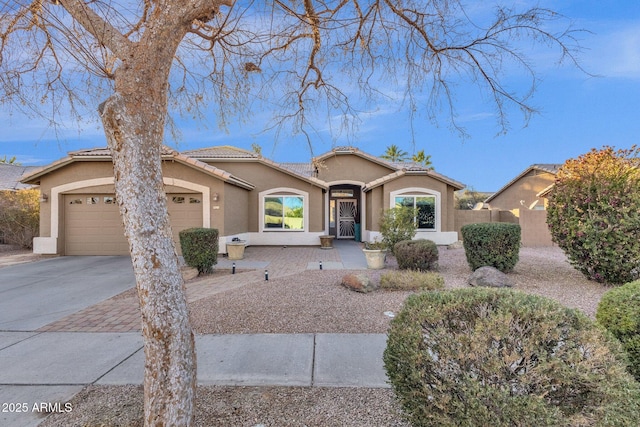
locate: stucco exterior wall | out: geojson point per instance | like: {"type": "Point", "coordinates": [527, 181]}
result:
{"type": "Point", "coordinates": [524, 189]}
{"type": "Point", "coordinates": [236, 214]}
{"type": "Point", "coordinates": [69, 173]}
{"type": "Point", "coordinates": [350, 167]}
{"type": "Point", "coordinates": [427, 182]}
{"type": "Point", "coordinates": [264, 178]}
{"type": "Point", "coordinates": [379, 199]}
{"type": "Point", "coordinates": [69, 179]}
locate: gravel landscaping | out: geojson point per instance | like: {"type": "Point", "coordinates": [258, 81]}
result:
{"type": "Point", "coordinates": [314, 301]}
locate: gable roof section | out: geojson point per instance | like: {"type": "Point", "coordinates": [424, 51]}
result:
{"type": "Point", "coordinates": [423, 171]}
{"type": "Point", "coordinates": [551, 168]}
{"type": "Point", "coordinates": [354, 151]}
{"type": "Point", "coordinates": [11, 174]}
{"type": "Point", "coordinates": [103, 153]}
{"type": "Point", "coordinates": [228, 153]}
{"type": "Point", "coordinates": [397, 169]}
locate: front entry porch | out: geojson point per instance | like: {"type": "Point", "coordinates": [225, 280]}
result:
{"type": "Point", "coordinates": [345, 211]}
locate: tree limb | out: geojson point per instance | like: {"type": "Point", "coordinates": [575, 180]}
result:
{"type": "Point", "coordinates": [104, 32]}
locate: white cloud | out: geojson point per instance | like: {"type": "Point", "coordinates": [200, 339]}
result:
{"type": "Point", "coordinates": [616, 53]}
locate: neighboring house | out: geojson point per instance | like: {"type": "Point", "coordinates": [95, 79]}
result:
{"type": "Point", "coordinates": [243, 195]}
{"type": "Point", "coordinates": [10, 175]}
{"type": "Point", "coordinates": [523, 191]}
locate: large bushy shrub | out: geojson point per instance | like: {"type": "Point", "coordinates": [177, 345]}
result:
{"type": "Point", "coordinates": [411, 280]}
{"type": "Point", "coordinates": [200, 248]}
{"type": "Point", "coordinates": [619, 312]}
{"type": "Point", "coordinates": [397, 224]}
{"type": "Point", "coordinates": [485, 357]}
{"type": "Point", "coordinates": [594, 214]}
{"type": "Point", "coordinates": [495, 244]}
{"type": "Point", "coordinates": [20, 216]}
{"type": "Point", "coordinates": [420, 254]}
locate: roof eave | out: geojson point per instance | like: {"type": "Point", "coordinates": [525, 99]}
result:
{"type": "Point", "coordinates": [33, 176]}
{"type": "Point", "coordinates": [315, 181]}
{"type": "Point", "coordinates": [513, 181]}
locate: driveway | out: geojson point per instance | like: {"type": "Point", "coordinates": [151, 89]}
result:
{"type": "Point", "coordinates": [47, 367]}
{"type": "Point", "coordinates": [35, 294]}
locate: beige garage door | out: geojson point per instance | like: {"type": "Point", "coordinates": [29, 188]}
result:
{"type": "Point", "coordinates": [93, 225]}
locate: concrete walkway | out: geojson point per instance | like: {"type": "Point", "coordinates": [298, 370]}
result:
{"type": "Point", "coordinates": [43, 361]}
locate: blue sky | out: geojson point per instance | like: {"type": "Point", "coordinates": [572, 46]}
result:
{"type": "Point", "coordinates": [577, 112]}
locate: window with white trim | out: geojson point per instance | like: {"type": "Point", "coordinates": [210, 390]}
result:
{"type": "Point", "coordinates": [283, 212]}
{"type": "Point", "coordinates": [425, 206]}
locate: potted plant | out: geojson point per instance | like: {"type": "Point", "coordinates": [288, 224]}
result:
{"type": "Point", "coordinates": [375, 253]}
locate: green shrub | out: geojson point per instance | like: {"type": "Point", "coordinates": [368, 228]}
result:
{"type": "Point", "coordinates": [485, 357]}
{"type": "Point", "coordinates": [495, 244]}
{"type": "Point", "coordinates": [594, 214]}
{"type": "Point", "coordinates": [421, 254]}
{"type": "Point", "coordinates": [396, 225]}
{"type": "Point", "coordinates": [19, 216]}
{"type": "Point", "coordinates": [619, 312]}
{"type": "Point", "coordinates": [200, 248]}
{"type": "Point", "coordinates": [409, 280]}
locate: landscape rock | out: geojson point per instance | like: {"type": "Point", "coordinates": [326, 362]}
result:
{"type": "Point", "coordinates": [455, 245]}
{"type": "Point", "coordinates": [359, 283]}
{"type": "Point", "coordinates": [188, 273]}
{"type": "Point", "coordinates": [490, 277]}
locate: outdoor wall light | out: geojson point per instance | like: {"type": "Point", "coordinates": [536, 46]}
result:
{"type": "Point", "coordinates": [44, 198]}
{"type": "Point", "coordinates": [215, 197]}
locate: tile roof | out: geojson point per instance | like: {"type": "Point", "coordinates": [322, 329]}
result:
{"type": "Point", "coordinates": [105, 152]}
{"type": "Point", "coordinates": [409, 166]}
{"type": "Point", "coordinates": [221, 152]}
{"type": "Point", "coordinates": [304, 169]}
{"type": "Point", "coordinates": [547, 167]}
{"type": "Point", "coordinates": [10, 175]}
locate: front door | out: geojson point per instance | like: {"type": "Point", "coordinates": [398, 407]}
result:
{"type": "Point", "coordinates": [347, 210]}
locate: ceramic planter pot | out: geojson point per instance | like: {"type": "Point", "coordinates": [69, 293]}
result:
{"type": "Point", "coordinates": [375, 258]}
{"type": "Point", "coordinates": [326, 242]}
{"type": "Point", "coordinates": [235, 250]}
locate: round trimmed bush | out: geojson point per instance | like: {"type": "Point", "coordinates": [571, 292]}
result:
{"type": "Point", "coordinates": [420, 254]}
{"type": "Point", "coordinates": [485, 357]}
{"type": "Point", "coordinates": [495, 244]}
{"type": "Point", "coordinates": [200, 248]}
{"type": "Point", "coordinates": [619, 312]}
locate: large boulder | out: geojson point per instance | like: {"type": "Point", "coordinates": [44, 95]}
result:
{"type": "Point", "coordinates": [490, 277]}
{"type": "Point", "coordinates": [359, 283]}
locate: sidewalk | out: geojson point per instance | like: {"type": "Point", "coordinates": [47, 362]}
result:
{"type": "Point", "coordinates": [52, 367]}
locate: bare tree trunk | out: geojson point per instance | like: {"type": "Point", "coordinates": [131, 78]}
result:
{"type": "Point", "coordinates": [134, 130]}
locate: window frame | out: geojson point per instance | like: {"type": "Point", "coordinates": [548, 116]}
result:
{"type": "Point", "coordinates": [420, 192]}
{"type": "Point", "coordinates": [284, 193]}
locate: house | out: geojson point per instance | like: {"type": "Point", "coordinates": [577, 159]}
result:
{"type": "Point", "coordinates": [521, 201]}
{"type": "Point", "coordinates": [10, 175]}
{"type": "Point", "coordinates": [243, 195]}
{"type": "Point", "coordinates": [522, 192]}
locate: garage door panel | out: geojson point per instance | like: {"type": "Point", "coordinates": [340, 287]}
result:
{"type": "Point", "coordinates": [93, 225]}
